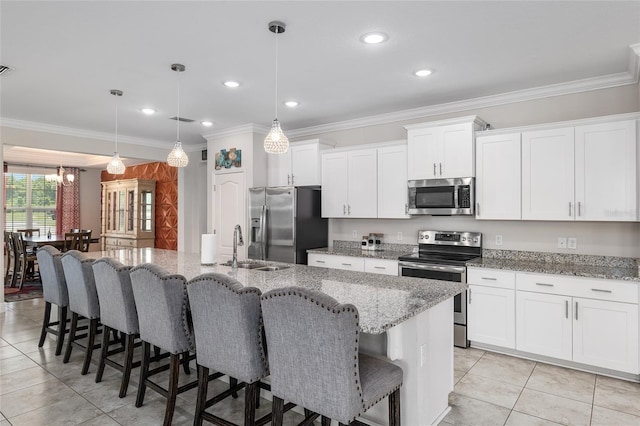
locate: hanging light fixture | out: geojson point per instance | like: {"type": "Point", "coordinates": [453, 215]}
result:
{"type": "Point", "coordinates": [177, 157]}
{"type": "Point", "coordinates": [276, 142]}
{"type": "Point", "coordinates": [60, 178]}
{"type": "Point", "coordinates": [116, 166]}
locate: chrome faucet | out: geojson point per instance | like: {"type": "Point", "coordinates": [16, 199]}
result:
{"type": "Point", "coordinates": [237, 241]}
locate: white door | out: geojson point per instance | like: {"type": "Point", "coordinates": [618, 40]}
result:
{"type": "Point", "coordinates": [334, 184]}
{"type": "Point", "coordinates": [498, 174]}
{"type": "Point", "coordinates": [491, 316]}
{"type": "Point", "coordinates": [305, 165]}
{"type": "Point", "coordinates": [279, 169]}
{"type": "Point", "coordinates": [422, 153]}
{"type": "Point", "coordinates": [606, 171]}
{"type": "Point", "coordinates": [362, 183]}
{"type": "Point", "coordinates": [456, 151]}
{"type": "Point", "coordinates": [543, 324]}
{"type": "Point", "coordinates": [392, 182]}
{"type": "Point", "coordinates": [229, 207]}
{"type": "Point", "coordinates": [605, 334]}
{"type": "Point", "coordinates": [548, 175]}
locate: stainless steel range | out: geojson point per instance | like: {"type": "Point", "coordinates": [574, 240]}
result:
{"type": "Point", "coordinates": [442, 255]}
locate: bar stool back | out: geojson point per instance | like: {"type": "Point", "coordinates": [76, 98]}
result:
{"type": "Point", "coordinates": [54, 289]}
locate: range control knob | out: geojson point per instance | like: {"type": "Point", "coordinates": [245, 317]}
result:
{"type": "Point", "coordinates": [464, 239]}
{"type": "Point", "coordinates": [475, 240]}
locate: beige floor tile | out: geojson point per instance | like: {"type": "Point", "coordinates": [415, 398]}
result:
{"type": "Point", "coordinates": [564, 382]}
{"type": "Point", "coordinates": [464, 359]}
{"type": "Point", "coordinates": [8, 352]}
{"type": "Point", "coordinates": [15, 363]}
{"type": "Point", "coordinates": [472, 412]}
{"type": "Point", "coordinates": [31, 346]}
{"type": "Point", "coordinates": [3, 343]}
{"type": "Point", "coordinates": [605, 417]}
{"type": "Point", "coordinates": [22, 335]}
{"type": "Point", "coordinates": [617, 395]}
{"type": "Point", "coordinates": [458, 374]}
{"type": "Point", "coordinates": [71, 411]}
{"type": "Point", "coordinates": [520, 419]}
{"type": "Point", "coordinates": [20, 379]}
{"type": "Point", "coordinates": [150, 414]}
{"type": "Point", "coordinates": [488, 390]}
{"type": "Point", "coordinates": [554, 408]}
{"type": "Point", "coordinates": [33, 397]}
{"type": "Point", "coordinates": [504, 368]}
{"type": "Point", "coordinates": [102, 420]}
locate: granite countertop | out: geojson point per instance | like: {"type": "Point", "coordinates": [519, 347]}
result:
{"type": "Point", "coordinates": [591, 267]}
{"type": "Point", "coordinates": [383, 301]}
{"type": "Point", "coordinates": [358, 252]}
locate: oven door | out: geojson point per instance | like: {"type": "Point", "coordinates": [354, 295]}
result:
{"type": "Point", "coordinates": [443, 273]}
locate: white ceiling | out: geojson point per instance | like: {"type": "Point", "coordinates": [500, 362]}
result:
{"type": "Point", "coordinates": [68, 55]}
{"type": "Point", "coordinates": [29, 156]}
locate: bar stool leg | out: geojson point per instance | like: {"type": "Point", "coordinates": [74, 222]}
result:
{"type": "Point", "coordinates": [394, 408]}
{"type": "Point", "coordinates": [62, 328]}
{"type": "Point", "coordinates": [326, 421]}
{"type": "Point", "coordinates": [174, 374]}
{"type": "Point", "coordinates": [45, 323]}
{"type": "Point", "coordinates": [72, 336]}
{"type": "Point", "coordinates": [128, 364]}
{"type": "Point", "coordinates": [144, 373]}
{"type": "Point", "coordinates": [250, 403]}
{"type": "Point", "coordinates": [232, 384]}
{"type": "Point", "coordinates": [93, 330]}
{"type": "Point", "coordinates": [277, 411]}
{"type": "Point", "coordinates": [185, 362]}
{"type": "Point", "coordinates": [203, 383]}
{"type": "Point", "coordinates": [103, 353]}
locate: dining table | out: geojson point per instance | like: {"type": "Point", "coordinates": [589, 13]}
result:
{"type": "Point", "coordinates": [55, 240]}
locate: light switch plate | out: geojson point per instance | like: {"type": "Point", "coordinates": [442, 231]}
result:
{"type": "Point", "coordinates": [355, 234]}
{"type": "Point", "coordinates": [498, 240]}
{"type": "Point", "coordinates": [399, 236]}
{"type": "Point", "coordinates": [572, 243]}
{"type": "Point", "coordinates": [562, 242]}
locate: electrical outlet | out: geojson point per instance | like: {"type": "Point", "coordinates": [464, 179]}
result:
{"type": "Point", "coordinates": [498, 240]}
{"type": "Point", "coordinates": [572, 243]}
{"type": "Point", "coordinates": [399, 236]}
{"type": "Point", "coordinates": [355, 234]}
{"type": "Point", "coordinates": [562, 242]}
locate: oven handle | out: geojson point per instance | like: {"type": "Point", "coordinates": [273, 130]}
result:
{"type": "Point", "coordinates": [426, 267]}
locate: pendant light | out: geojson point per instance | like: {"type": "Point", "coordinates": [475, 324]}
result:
{"type": "Point", "coordinates": [177, 157]}
{"type": "Point", "coordinates": [116, 166]}
{"type": "Point", "coordinates": [276, 142]}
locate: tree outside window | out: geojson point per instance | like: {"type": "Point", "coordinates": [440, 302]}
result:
{"type": "Point", "coordinates": [30, 202]}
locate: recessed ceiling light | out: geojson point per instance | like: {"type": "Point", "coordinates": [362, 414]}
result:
{"type": "Point", "coordinates": [423, 73]}
{"type": "Point", "coordinates": [148, 111]}
{"type": "Point", "coordinates": [206, 123]}
{"type": "Point", "coordinates": [373, 38]}
{"type": "Point", "coordinates": [292, 104]}
{"type": "Point", "coordinates": [232, 84]}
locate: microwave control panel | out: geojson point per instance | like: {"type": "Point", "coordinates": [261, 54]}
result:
{"type": "Point", "coordinates": [464, 196]}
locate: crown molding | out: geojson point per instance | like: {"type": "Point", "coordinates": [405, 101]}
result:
{"type": "Point", "coordinates": [238, 130]}
{"type": "Point", "coordinates": [194, 148]}
{"type": "Point", "coordinates": [584, 85]}
{"type": "Point", "coordinates": [81, 133]}
{"type": "Point", "coordinates": [634, 61]}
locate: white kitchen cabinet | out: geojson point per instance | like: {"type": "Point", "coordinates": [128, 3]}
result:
{"type": "Point", "coordinates": [491, 307]}
{"type": "Point", "coordinates": [498, 177]}
{"type": "Point", "coordinates": [442, 149]}
{"type": "Point", "coordinates": [351, 263]}
{"type": "Point", "coordinates": [299, 166]}
{"type": "Point", "coordinates": [548, 174]}
{"type": "Point", "coordinates": [381, 266]}
{"type": "Point", "coordinates": [392, 182]}
{"type": "Point", "coordinates": [349, 184]}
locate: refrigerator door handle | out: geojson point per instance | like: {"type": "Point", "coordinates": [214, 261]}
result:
{"type": "Point", "coordinates": [263, 231]}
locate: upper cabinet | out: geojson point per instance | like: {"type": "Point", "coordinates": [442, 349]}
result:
{"type": "Point", "coordinates": [442, 149]}
{"type": "Point", "coordinates": [580, 173]}
{"type": "Point", "coordinates": [299, 166]}
{"type": "Point", "coordinates": [392, 182]}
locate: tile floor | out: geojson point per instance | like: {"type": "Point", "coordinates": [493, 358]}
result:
{"type": "Point", "coordinates": [36, 388]}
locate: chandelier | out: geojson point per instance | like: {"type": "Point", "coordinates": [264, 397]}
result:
{"type": "Point", "coordinates": [276, 141]}
{"type": "Point", "coordinates": [116, 166]}
{"type": "Point", "coordinates": [177, 157]}
{"type": "Point", "coordinates": [61, 178]}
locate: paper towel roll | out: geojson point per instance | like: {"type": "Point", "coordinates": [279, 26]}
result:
{"type": "Point", "coordinates": [208, 249]}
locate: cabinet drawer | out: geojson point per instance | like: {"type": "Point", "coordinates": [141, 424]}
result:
{"type": "Point", "coordinates": [491, 278]}
{"type": "Point", "coordinates": [589, 288]}
{"type": "Point", "coordinates": [320, 260]}
{"type": "Point", "coordinates": [111, 241]}
{"type": "Point", "coordinates": [349, 263]}
{"type": "Point", "coordinates": [381, 266]}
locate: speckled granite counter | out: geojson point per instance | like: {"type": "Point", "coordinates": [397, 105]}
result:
{"type": "Point", "coordinates": [383, 301]}
{"type": "Point", "coordinates": [353, 249]}
{"type": "Point", "coordinates": [605, 267]}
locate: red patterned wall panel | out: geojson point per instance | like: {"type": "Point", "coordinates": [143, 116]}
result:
{"type": "Point", "coordinates": [166, 178]}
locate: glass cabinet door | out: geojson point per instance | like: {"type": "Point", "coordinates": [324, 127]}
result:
{"type": "Point", "coordinates": [121, 210]}
{"type": "Point", "coordinates": [146, 204]}
{"type": "Point", "coordinates": [130, 210]}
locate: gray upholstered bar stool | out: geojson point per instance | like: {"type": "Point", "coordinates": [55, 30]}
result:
{"type": "Point", "coordinates": [227, 324]}
{"type": "Point", "coordinates": [117, 312]}
{"type": "Point", "coordinates": [54, 288]}
{"type": "Point", "coordinates": [83, 302]}
{"type": "Point", "coordinates": [314, 359]}
{"type": "Point", "coordinates": [161, 301]}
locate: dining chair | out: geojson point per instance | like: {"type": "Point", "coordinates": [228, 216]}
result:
{"type": "Point", "coordinates": [83, 303]}
{"type": "Point", "coordinates": [25, 260]}
{"type": "Point", "coordinates": [29, 232]}
{"type": "Point", "coordinates": [54, 289]}
{"type": "Point", "coordinates": [161, 302]}
{"type": "Point", "coordinates": [9, 273]}
{"type": "Point", "coordinates": [227, 325]}
{"type": "Point", "coordinates": [77, 241]}
{"type": "Point", "coordinates": [314, 361]}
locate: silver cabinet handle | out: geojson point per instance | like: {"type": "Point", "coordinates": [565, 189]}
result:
{"type": "Point", "coordinates": [346, 264]}
{"type": "Point", "coordinates": [344, 209]}
{"type": "Point", "coordinates": [380, 267]}
{"type": "Point", "coordinates": [434, 169]}
{"type": "Point", "coordinates": [478, 208]}
{"type": "Point", "coordinates": [291, 178]}
{"type": "Point", "coordinates": [576, 311]}
{"type": "Point", "coordinates": [601, 290]}
{"type": "Point", "coordinates": [349, 208]}
{"type": "Point", "coordinates": [406, 208]}
{"type": "Point", "coordinates": [544, 284]}
{"type": "Point", "coordinates": [570, 208]}
{"type": "Point", "coordinates": [489, 278]}
{"type": "Point", "coordinates": [566, 309]}
{"type": "Point", "coordinates": [440, 169]}
{"type": "Point", "coordinates": [469, 296]}
{"type": "Point", "coordinates": [288, 180]}
{"type": "Point", "coordinates": [320, 261]}
{"type": "Point", "coordinates": [579, 208]}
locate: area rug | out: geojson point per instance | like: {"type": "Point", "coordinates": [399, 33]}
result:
{"type": "Point", "coordinates": [30, 290]}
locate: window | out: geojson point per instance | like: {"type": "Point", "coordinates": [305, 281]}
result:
{"type": "Point", "coordinates": [30, 201]}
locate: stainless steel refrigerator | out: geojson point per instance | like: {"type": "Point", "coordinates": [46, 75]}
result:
{"type": "Point", "coordinates": [285, 222]}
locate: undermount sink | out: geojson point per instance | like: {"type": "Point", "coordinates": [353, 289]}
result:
{"type": "Point", "coordinates": [272, 268]}
{"type": "Point", "coordinates": [252, 264]}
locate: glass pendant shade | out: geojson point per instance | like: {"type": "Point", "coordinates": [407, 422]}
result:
{"type": "Point", "coordinates": [276, 141]}
{"type": "Point", "coordinates": [177, 157]}
{"type": "Point", "coordinates": [116, 166]}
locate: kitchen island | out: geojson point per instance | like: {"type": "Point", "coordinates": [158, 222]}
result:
{"type": "Point", "coordinates": [408, 320]}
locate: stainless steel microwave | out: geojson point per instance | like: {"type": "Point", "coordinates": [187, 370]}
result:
{"type": "Point", "coordinates": [443, 197]}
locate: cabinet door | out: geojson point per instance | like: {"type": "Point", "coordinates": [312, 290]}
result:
{"type": "Point", "coordinates": [606, 172]}
{"type": "Point", "coordinates": [334, 184]}
{"type": "Point", "coordinates": [422, 153]}
{"type": "Point", "coordinates": [279, 169]}
{"type": "Point", "coordinates": [362, 183]}
{"type": "Point", "coordinates": [605, 334]}
{"type": "Point", "coordinates": [381, 266]}
{"type": "Point", "coordinates": [548, 175]}
{"type": "Point", "coordinates": [456, 151]}
{"type": "Point", "coordinates": [498, 174]}
{"type": "Point", "coordinates": [491, 316]}
{"type": "Point", "coordinates": [305, 165]}
{"type": "Point", "coordinates": [320, 260]}
{"type": "Point", "coordinates": [543, 324]}
{"type": "Point", "coordinates": [392, 182]}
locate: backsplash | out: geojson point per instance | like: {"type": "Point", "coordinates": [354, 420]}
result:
{"type": "Point", "coordinates": [563, 258]}
{"type": "Point", "coordinates": [355, 245]}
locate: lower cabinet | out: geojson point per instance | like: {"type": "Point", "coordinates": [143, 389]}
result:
{"type": "Point", "coordinates": [352, 263]}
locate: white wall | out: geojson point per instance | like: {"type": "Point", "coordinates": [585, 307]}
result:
{"type": "Point", "coordinates": [90, 203]}
{"type": "Point", "coordinates": [192, 213]}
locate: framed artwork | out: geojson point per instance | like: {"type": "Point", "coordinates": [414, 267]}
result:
{"type": "Point", "coordinates": [227, 158]}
